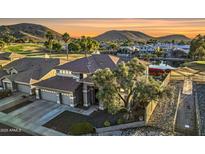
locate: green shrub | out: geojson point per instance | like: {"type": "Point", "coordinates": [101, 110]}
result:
{"type": "Point", "coordinates": [5, 93]}
{"type": "Point", "coordinates": [120, 121]}
{"type": "Point", "coordinates": [106, 123]}
{"type": "Point", "coordinates": [81, 128]}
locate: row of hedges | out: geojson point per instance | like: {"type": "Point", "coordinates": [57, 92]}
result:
{"type": "Point", "coordinates": [5, 93]}
{"type": "Point", "coordinates": [81, 128]}
{"type": "Point", "coordinates": [87, 128]}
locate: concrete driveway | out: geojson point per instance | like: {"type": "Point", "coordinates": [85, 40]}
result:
{"type": "Point", "coordinates": [31, 117]}
{"type": "Point", "coordinates": [38, 112]}
{"type": "Point", "coordinates": [11, 100]}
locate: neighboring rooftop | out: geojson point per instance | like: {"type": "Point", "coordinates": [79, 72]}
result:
{"type": "Point", "coordinates": [10, 56]}
{"type": "Point", "coordinates": [32, 68]}
{"type": "Point", "coordinates": [59, 83]}
{"type": "Point", "coordinates": [91, 64]}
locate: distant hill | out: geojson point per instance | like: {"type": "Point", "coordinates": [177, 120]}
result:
{"type": "Point", "coordinates": [123, 35]}
{"type": "Point", "coordinates": [27, 30]}
{"type": "Point", "coordinates": [135, 36]}
{"type": "Point", "coordinates": [176, 37]}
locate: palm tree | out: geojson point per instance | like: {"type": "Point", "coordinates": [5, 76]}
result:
{"type": "Point", "coordinates": [50, 38]}
{"type": "Point", "coordinates": [66, 38]}
{"type": "Point", "coordinates": [84, 44]}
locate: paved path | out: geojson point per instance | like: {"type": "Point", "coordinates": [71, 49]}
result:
{"type": "Point", "coordinates": [187, 87]}
{"type": "Point", "coordinates": [86, 112]}
{"type": "Point", "coordinates": [186, 117]}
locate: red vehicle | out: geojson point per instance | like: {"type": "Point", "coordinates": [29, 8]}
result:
{"type": "Point", "coordinates": [157, 71]}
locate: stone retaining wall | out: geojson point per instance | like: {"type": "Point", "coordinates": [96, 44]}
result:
{"type": "Point", "coordinates": [198, 120]}
{"type": "Point", "coordinates": [175, 115]}
{"type": "Point", "coordinates": [120, 127]}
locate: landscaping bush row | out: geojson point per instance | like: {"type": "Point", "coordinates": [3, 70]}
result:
{"type": "Point", "coordinates": [5, 93]}
{"type": "Point", "coordinates": [87, 128]}
{"type": "Point", "coordinates": [81, 128]}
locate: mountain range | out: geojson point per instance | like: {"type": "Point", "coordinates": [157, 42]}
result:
{"type": "Point", "coordinates": [136, 36]}
{"type": "Point", "coordinates": [27, 30]}
{"type": "Point", "coordinates": [37, 32]}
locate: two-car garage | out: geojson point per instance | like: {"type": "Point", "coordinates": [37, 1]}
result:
{"type": "Point", "coordinates": [48, 95]}
{"type": "Point", "coordinates": [52, 96]}
{"type": "Point", "coordinates": [23, 88]}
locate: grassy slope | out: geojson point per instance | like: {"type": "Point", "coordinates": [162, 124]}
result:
{"type": "Point", "coordinates": [198, 65]}
{"type": "Point", "coordinates": [37, 50]}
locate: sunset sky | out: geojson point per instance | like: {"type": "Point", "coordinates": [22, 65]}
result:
{"type": "Point", "coordinates": [93, 27]}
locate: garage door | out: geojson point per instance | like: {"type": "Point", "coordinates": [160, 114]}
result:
{"type": "Point", "coordinates": [8, 86]}
{"type": "Point", "coordinates": [65, 99]}
{"type": "Point", "coordinates": [23, 88]}
{"type": "Point", "coordinates": [48, 95]}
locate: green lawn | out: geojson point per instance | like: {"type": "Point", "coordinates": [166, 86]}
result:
{"type": "Point", "coordinates": [38, 51]}
{"type": "Point", "coordinates": [197, 65]}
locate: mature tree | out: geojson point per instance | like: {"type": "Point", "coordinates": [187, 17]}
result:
{"type": "Point", "coordinates": [117, 88]}
{"type": "Point", "coordinates": [181, 42]}
{"type": "Point", "coordinates": [112, 46]}
{"type": "Point", "coordinates": [2, 44]}
{"type": "Point", "coordinates": [127, 43]}
{"type": "Point", "coordinates": [126, 87]}
{"type": "Point", "coordinates": [7, 38]}
{"type": "Point", "coordinates": [49, 42]}
{"type": "Point", "coordinates": [57, 46]}
{"type": "Point", "coordinates": [74, 47]}
{"type": "Point", "coordinates": [88, 45]}
{"type": "Point", "coordinates": [66, 38]}
{"type": "Point", "coordinates": [200, 52]}
{"type": "Point", "coordinates": [198, 41]}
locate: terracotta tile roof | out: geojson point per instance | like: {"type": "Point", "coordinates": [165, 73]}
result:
{"type": "Point", "coordinates": [59, 83]}
{"type": "Point", "coordinates": [91, 64]}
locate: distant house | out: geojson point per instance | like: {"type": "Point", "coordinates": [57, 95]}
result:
{"type": "Point", "coordinates": [145, 48]}
{"type": "Point", "coordinates": [72, 85]}
{"type": "Point", "coordinates": [7, 57]}
{"type": "Point", "coordinates": [126, 51]}
{"type": "Point", "coordinates": [22, 73]}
